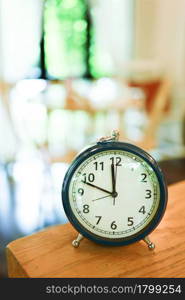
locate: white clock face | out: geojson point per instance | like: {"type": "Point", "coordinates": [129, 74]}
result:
{"type": "Point", "coordinates": [114, 194]}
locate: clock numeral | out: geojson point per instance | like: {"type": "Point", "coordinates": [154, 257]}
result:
{"type": "Point", "coordinates": [99, 165]}
{"type": "Point", "coordinates": [113, 225]}
{"type": "Point", "coordinates": [148, 194]}
{"type": "Point", "coordinates": [143, 177]}
{"type": "Point", "coordinates": [130, 221]}
{"type": "Point", "coordinates": [90, 177]}
{"type": "Point", "coordinates": [142, 210]}
{"type": "Point", "coordinates": [85, 208]}
{"type": "Point", "coordinates": [116, 161]}
{"type": "Point", "coordinates": [99, 218]}
{"type": "Point", "coordinates": [81, 191]}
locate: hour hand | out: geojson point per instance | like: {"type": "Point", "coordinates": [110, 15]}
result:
{"type": "Point", "coordinates": [97, 187]}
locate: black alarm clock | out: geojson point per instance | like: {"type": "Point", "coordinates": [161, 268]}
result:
{"type": "Point", "coordinates": [114, 193]}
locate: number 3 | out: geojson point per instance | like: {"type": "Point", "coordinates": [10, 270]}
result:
{"type": "Point", "coordinates": [148, 194]}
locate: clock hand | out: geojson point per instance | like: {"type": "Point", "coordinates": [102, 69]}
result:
{"type": "Point", "coordinates": [113, 179]}
{"type": "Point", "coordinates": [114, 193]}
{"type": "Point", "coordinates": [97, 187]}
{"type": "Point", "coordinates": [101, 197]}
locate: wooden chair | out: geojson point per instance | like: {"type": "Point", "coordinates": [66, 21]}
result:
{"type": "Point", "coordinates": [156, 115]}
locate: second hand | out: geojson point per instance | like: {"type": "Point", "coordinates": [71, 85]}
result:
{"type": "Point", "coordinates": [101, 197]}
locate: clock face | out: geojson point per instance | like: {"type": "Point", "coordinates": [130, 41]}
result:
{"type": "Point", "coordinates": [114, 194]}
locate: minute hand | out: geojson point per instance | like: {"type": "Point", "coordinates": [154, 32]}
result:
{"type": "Point", "coordinates": [97, 187]}
{"type": "Point", "coordinates": [113, 179]}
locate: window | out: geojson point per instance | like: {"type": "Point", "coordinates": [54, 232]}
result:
{"type": "Point", "coordinates": [84, 37]}
{"type": "Point", "coordinates": [65, 27]}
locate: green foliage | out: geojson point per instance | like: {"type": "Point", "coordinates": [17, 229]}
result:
{"type": "Point", "coordinates": [65, 37]}
{"type": "Point", "coordinates": [68, 53]}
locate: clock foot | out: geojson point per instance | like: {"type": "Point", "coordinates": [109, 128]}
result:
{"type": "Point", "coordinates": [151, 246]}
{"type": "Point", "coordinates": [76, 242]}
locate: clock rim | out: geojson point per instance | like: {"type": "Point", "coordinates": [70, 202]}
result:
{"type": "Point", "coordinates": [105, 146]}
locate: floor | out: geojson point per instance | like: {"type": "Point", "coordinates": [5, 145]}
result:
{"type": "Point", "coordinates": [174, 170]}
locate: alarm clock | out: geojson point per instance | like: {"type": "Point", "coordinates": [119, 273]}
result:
{"type": "Point", "coordinates": [114, 193]}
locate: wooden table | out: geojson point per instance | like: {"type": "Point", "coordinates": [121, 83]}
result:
{"type": "Point", "coordinates": [49, 253]}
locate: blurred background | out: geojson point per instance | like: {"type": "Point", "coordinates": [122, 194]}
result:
{"type": "Point", "coordinates": [70, 72]}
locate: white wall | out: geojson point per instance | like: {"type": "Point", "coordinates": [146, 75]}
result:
{"type": "Point", "coordinates": [19, 37]}
{"type": "Point", "coordinates": [160, 35]}
{"type": "Point", "coordinates": [114, 27]}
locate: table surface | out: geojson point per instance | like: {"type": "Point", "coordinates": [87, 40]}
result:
{"type": "Point", "coordinates": [49, 253]}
